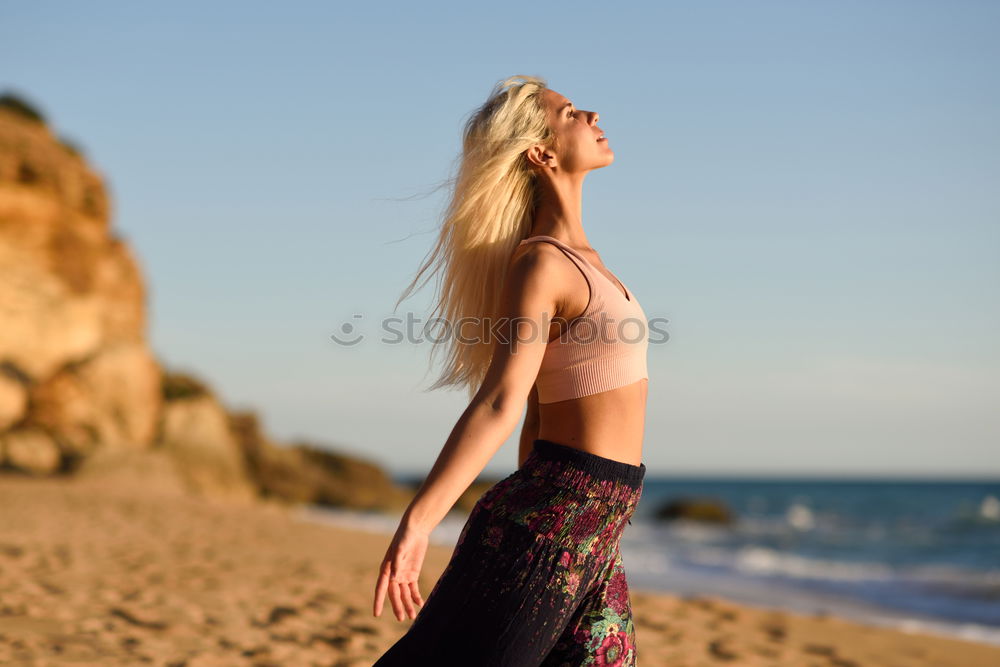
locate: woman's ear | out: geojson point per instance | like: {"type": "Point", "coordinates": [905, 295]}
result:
{"type": "Point", "coordinates": [539, 156]}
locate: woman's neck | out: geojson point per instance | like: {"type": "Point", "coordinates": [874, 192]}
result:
{"type": "Point", "coordinates": [561, 217]}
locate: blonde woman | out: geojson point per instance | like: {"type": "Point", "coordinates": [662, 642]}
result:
{"type": "Point", "coordinates": [536, 577]}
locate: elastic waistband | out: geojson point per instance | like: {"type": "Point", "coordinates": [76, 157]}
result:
{"type": "Point", "coordinates": [596, 466]}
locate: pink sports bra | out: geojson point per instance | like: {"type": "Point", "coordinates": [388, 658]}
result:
{"type": "Point", "coordinates": [602, 349]}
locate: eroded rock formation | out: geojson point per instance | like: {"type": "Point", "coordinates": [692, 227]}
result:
{"type": "Point", "coordinates": [81, 392]}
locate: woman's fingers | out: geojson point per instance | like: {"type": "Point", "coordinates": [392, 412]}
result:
{"type": "Point", "coordinates": [381, 586]}
{"type": "Point", "coordinates": [404, 594]}
{"type": "Point", "coordinates": [397, 602]}
{"type": "Point", "coordinates": [399, 577]}
{"type": "Point", "coordinates": [416, 594]}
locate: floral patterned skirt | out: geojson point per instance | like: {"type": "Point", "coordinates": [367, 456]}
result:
{"type": "Point", "coordinates": [536, 577]}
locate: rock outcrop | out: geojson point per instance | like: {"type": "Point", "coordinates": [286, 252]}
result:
{"type": "Point", "coordinates": [77, 372]}
{"type": "Point", "coordinates": [706, 510]}
{"type": "Point", "coordinates": [310, 473]}
{"type": "Point", "coordinates": [81, 392]}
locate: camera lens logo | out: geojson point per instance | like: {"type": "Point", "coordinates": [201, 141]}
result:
{"type": "Point", "coordinates": [348, 335]}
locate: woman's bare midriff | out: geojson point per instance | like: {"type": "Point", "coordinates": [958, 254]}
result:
{"type": "Point", "coordinates": [608, 424]}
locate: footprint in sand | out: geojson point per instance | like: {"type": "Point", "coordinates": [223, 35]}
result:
{"type": "Point", "coordinates": [775, 631]}
{"type": "Point", "coordinates": [819, 649]}
{"type": "Point", "coordinates": [723, 649]}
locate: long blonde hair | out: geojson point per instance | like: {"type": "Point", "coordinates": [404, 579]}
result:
{"type": "Point", "coordinates": [491, 208]}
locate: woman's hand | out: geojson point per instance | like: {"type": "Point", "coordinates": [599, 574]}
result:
{"type": "Point", "coordinates": [400, 571]}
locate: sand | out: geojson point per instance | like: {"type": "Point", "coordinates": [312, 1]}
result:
{"type": "Point", "coordinates": [105, 575]}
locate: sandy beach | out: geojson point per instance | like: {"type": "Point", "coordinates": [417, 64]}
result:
{"type": "Point", "coordinates": [101, 574]}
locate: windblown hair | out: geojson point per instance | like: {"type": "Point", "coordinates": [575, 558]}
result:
{"type": "Point", "coordinates": [491, 208]}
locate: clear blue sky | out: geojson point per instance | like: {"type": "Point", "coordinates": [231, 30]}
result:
{"type": "Point", "coordinates": [808, 191]}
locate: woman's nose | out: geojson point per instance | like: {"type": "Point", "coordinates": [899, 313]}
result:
{"type": "Point", "coordinates": [594, 116]}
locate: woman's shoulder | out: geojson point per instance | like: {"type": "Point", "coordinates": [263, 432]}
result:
{"type": "Point", "coordinates": [546, 259]}
{"type": "Point", "coordinates": [549, 270]}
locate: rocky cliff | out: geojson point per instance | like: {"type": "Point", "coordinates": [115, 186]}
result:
{"type": "Point", "coordinates": [81, 393]}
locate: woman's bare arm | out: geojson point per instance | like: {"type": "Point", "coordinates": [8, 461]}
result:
{"type": "Point", "coordinates": [528, 302]}
{"type": "Point", "coordinates": [529, 432]}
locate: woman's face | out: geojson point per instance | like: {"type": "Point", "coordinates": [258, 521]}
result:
{"type": "Point", "coordinates": [578, 147]}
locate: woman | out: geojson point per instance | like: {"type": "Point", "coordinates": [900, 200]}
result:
{"type": "Point", "coordinates": [536, 577]}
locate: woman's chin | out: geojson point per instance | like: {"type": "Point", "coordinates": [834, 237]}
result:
{"type": "Point", "coordinates": [604, 160]}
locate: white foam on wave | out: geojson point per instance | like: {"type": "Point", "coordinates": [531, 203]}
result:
{"type": "Point", "coordinates": [800, 517]}
{"type": "Point", "coordinates": [972, 632]}
{"type": "Point", "coordinates": [762, 560]}
{"type": "Point", "coordinates": [989, 508]}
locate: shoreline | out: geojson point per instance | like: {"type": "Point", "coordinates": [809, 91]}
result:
{"type": "Point", "coordinates": [764, 596]}
{"type": "Point", "coordinates": [116, 574]}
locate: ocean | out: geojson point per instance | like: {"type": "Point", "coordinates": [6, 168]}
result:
{"type": "Point", "coordinates": [920, 555]}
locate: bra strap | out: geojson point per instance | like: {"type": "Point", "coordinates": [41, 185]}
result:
{"type": "Point", "coordinates": [576, 258]}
